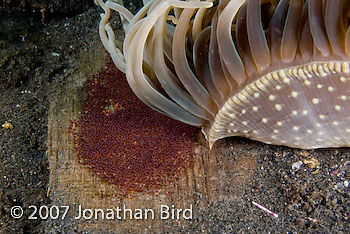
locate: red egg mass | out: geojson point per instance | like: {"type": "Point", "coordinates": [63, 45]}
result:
{"type": "Point", "coordinates": [124, 141]}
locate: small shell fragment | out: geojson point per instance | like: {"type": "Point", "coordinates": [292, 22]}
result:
{"type": "Point", "coordinates": [296, 166]}
{"type": "Point", "coordinates": [7, 125]}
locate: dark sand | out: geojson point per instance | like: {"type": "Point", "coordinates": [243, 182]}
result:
{"type": "Point", "coordinates": [35, 61]}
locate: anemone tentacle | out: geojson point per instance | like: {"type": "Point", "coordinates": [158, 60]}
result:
{"type": "Point", "coordinates": [276, 71]}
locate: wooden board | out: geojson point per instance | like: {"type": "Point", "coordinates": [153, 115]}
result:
{"type": "Point", "coordinates": [215, 176]}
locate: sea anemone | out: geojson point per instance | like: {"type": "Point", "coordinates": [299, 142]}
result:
{"type": "Point", "coordinates": [274, 71]}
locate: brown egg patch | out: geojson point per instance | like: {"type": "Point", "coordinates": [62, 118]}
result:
{"type": "Point", "coordinates": [125, 142]}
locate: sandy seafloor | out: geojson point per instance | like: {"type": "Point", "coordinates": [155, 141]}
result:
{"type": "Point", "coordinates": [36, 59]}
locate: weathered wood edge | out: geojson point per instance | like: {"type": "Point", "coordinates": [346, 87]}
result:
{"type": "Point", "coordinates": [71, 184]}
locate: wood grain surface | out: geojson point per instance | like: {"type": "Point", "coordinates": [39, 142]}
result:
{"type": "Point", "coordinates": [214, 176]}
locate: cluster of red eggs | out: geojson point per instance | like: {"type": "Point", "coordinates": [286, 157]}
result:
{"type": "Point", "coordinates": [127, 143]}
